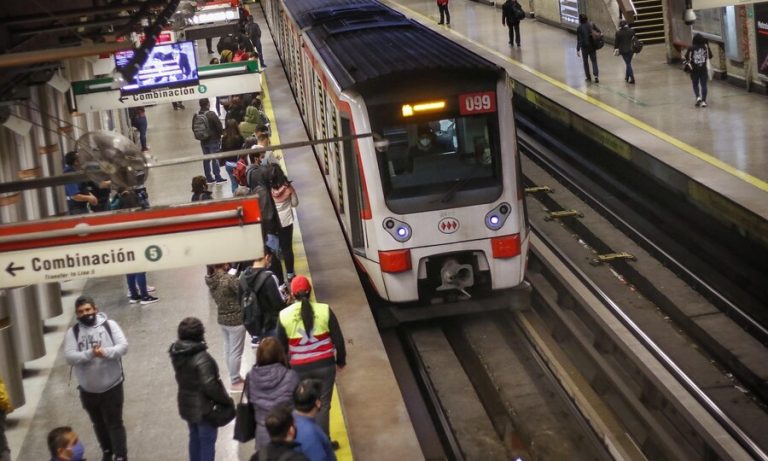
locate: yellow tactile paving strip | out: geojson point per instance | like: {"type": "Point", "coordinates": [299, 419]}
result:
{"type": "Point", "coordinates": [338, 426]}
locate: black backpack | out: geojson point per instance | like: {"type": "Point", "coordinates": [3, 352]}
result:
{"type": "Point", "coordinates": [253, 313]}
{"type": "Point", "coordinates": [596, 37]}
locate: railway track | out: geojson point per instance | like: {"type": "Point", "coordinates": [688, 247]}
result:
{"type": "Point", "coordinates": [617, 357]}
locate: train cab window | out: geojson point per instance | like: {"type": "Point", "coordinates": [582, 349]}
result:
{"type": "Point", "coordinates": [440, 163]}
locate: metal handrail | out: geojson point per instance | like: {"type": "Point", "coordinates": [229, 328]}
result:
{"type": "Point", "coordinates": [141, 224]}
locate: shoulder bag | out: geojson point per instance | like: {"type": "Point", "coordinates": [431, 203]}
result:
{"type": "Point", "coordinates": [245, 420]}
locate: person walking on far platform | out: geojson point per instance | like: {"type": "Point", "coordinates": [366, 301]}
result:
{"type": "Point", "coordinates": [254, 33]}
{"type": "Point", "coordinates": [511, 15]}
{"type": "Point", "coordinates": [698, 55]}
{"type": "Point", "coordinates": [311, 334]}
{"type": "Point", "coordinates": [94, 347]}
{"type": "Point", "coordinates": [445, 15]}
{"type": "Point", "coordinates": [586, 46]}
{"type": "Point", "coordinates": [623, 46]}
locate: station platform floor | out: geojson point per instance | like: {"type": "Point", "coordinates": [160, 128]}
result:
{"type": "Point", "coordinates": [365, 427]}
{"type": "Point", "coordinates": [722, 146]}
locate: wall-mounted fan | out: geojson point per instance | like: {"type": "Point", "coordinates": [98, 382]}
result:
{"type": "Point", "coordinates": [106, 155]}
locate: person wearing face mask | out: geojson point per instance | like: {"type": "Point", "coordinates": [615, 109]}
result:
{"type": "Point", "coordinates": [94, 347]}
{"type": "Point", "coordinates": [425, 145]}
{"type": "Point", "coordinates": [65, 445]}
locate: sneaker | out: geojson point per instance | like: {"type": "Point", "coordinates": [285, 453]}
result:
{"type": "Point", "coordinates": [597, 80]}
{"type": "Point", "coordinates": [254, 342]}
{"type": "Point", "coordinates": [134, 299]}
{"type": "Point", "coordinates": [106, 456]}
{"type": "Point", "coordinates": [698, 102]}
{"type": "Point", "coordinates": [150, 289]}
{"type": "Point", "coordinates": [148, 300]}
{"type": "Point", "coordinates": [210, 181]}
{"type": "Point", "coordinates": [703, 103]}
{"type": "Point", "coordinates": [588, 79]}
{"type": "Point", "coordinates": [334, 445]}
{"type": "Point", "coordinates": [221, 180]}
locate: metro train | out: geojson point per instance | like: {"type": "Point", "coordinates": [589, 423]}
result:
{"type": "Point", "coordinates": [432, 203]}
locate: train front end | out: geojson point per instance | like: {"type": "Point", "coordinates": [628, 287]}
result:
{"type": "Point", "coordinates": [448, 217]}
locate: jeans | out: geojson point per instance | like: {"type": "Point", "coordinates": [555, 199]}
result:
{"type": "Point", "coordinates": [5, 451]}
{"type": "Point", "coordinates": [586, 56]}
{"type": "Point", "coordinates": [202, 441]}
{"type": "Point", "coordinates": [700, 79]}
{"type": "Point", "coordinates": [230, 167]}
{"type": "Point", "coordinates": [211, 147]}
{"type": "Point", "coordinates": [445, 15]}
{"type": "Point", "coordinates": [137, 284]}
{"type": "Point", "coordinates": [327, 378]}
{"type": "Point", "coordinates": [141, 124]}
{"type": "Point", "coordinates": [285, 236]}
{"type": "Point", "coordinates": [629, 74]}
{"type": "Point", "coordinates": [106, 412]}
{"type": "Point", "coordinates": [234, 341]}
{"type": "Point", "coordinates": [514, 29]}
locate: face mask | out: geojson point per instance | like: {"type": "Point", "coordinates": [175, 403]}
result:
{"type": "Point", "coordinates": [88, 320]}
{"type": "Point", "coordinates": [78, 451]}
{"type": "Point", "coordinates": [424, 142]}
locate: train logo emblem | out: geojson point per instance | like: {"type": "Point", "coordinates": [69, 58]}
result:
{"type": "Point", "coordinates": [448, 225]}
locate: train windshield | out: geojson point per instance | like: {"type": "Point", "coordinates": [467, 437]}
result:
{"type": "Point", "coordinates": [439, 163]}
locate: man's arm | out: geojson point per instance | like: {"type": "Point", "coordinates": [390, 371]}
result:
{"type": "Point", "coordinates": [71, 352]}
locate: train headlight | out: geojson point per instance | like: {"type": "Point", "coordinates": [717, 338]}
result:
{"type": "Point", "coordinates": [399, 230]}
{"type": "Point", "coordinates": [495, 219]}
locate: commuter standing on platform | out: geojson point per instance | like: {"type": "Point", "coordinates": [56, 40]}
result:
{"type": "Point", "coordinates": [138, 290]}
{"type": "Point", "coordinates": [445, 15]}
{"type": "Point", "coordinates": [94, 347]}
{"type": "Point", "coordinates": [254, 33]}
{"type": "Point", "coordinates": [311, 334]}
{"type": "Point", "coordinates": [262, 283]}
{"type": "Point", "coordinates": [699, 55]}
{"type": "Point", "coordinates": [282, 432]}
{"type": "Point", "coordinates": [78, 193]}
{"type": "Point", "coordinates": [511, 15]}
{"type": "Point", "coordinates": [311, 439]}
{"type": "Point", "coordinates": [585, 46]}
{"type": "Point", "coordinates": [207, 129]}
{"type": "Point", "coordinates": [200, 388]}
{"type": "Point", "coordinates": [65, 445]}
{"type": "Point", "coordinates": [200, 190]}
{"type": "Point", "coordinates": [5, 408]}
{"type": "Point", "coordinates": [232, 140]}
{"type": "Point", "coordinates": [139, 121]}
{"type": "Point", "coordinates": [623, 46]}
{"type": "Point", "coordinates": [286, 199]}
{"type": "Point", "coordinates": [225, 291]}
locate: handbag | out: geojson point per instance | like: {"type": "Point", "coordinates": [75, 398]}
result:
{"type": "Point", "coordinates": [637, 44]}
{"type": "Point", "coordinates": [245, 421]}
{"type": "Point", "coordinates": [221, 413]}
{"type": "Point", "coordinates": [687, 66]}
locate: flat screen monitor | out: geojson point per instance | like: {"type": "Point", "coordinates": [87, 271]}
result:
{"type": "Point", "coordinates": [169, 65]}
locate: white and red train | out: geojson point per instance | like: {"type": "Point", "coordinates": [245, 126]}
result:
{"type": "Point", "coordinates": [432, 203]}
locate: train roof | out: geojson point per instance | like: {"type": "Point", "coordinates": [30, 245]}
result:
{"type": "Point", "coordinates": [365, 43]}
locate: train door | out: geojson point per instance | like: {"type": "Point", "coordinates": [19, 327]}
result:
{"type": "Point", "coordinates": [354, 190]}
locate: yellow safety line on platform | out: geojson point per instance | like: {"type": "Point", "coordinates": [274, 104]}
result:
{"type": "Point", "coordinates": [338, 427]}
{"type": "Point", "coordinates": [716, 162]}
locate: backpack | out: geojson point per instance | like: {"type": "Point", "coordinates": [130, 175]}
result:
{"type": "Point", "coordinates": [201, 127]}
{"type": "Point", "coordinates": [518, 12]}
{"type": "Point", "coordinates": [637, 44]}
{"type": "Point", "coordinates": [239, 173]}
{"type": "Point", "coordinates": [253, 314]}
{"type": "Point", "coordinates": [596, 37]}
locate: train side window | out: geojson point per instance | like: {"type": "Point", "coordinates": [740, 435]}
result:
{"type": "Point", "coordinates": [354, 190]}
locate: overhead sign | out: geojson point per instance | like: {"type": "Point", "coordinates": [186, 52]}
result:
{"type": "Point", "coordinates": [224, 231]}
{"type": "Point", "coordinates": [212, 83]}
{"type": "Point", "coordinates": [706, 4]}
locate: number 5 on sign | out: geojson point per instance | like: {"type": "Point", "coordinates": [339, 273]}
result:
{"type": "Point", "coordinates": [477, 103]}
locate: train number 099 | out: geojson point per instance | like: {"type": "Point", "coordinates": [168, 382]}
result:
{"type": "Point", "coordinates": [477, 103]}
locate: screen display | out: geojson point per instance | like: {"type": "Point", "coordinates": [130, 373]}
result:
{"type": "Point", "coordinates": [169, 65]}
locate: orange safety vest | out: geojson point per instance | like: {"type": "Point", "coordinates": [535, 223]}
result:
{"type": "Point", "coordinates": [303, 347]}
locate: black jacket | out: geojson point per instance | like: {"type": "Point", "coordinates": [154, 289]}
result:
{"type": "Point", "coordinates": [275, 450]}
{"type": "Point", "coordinates": [269, 299]}
{"type": "Point", "coordinates": [509, 14]}
{"type": "Point", "coordinates": [198, 378]}
{"type": "Point", "coordinates": [623, 40]}
{"type": "Point", "coordinates": [584, 36]}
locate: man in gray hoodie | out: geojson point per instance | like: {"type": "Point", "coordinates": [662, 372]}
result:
{"type": "Point", "coordinates": [94, 347]}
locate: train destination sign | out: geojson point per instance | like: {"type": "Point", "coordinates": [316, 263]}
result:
{"type": "Point", "coordinates": [125, 256]}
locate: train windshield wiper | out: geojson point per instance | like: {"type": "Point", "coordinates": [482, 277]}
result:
{"type": "Point", "coordinates": [458, 185]}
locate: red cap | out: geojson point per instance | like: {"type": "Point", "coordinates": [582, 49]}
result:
{"type": "Point", "coordinates": [300, 284]}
